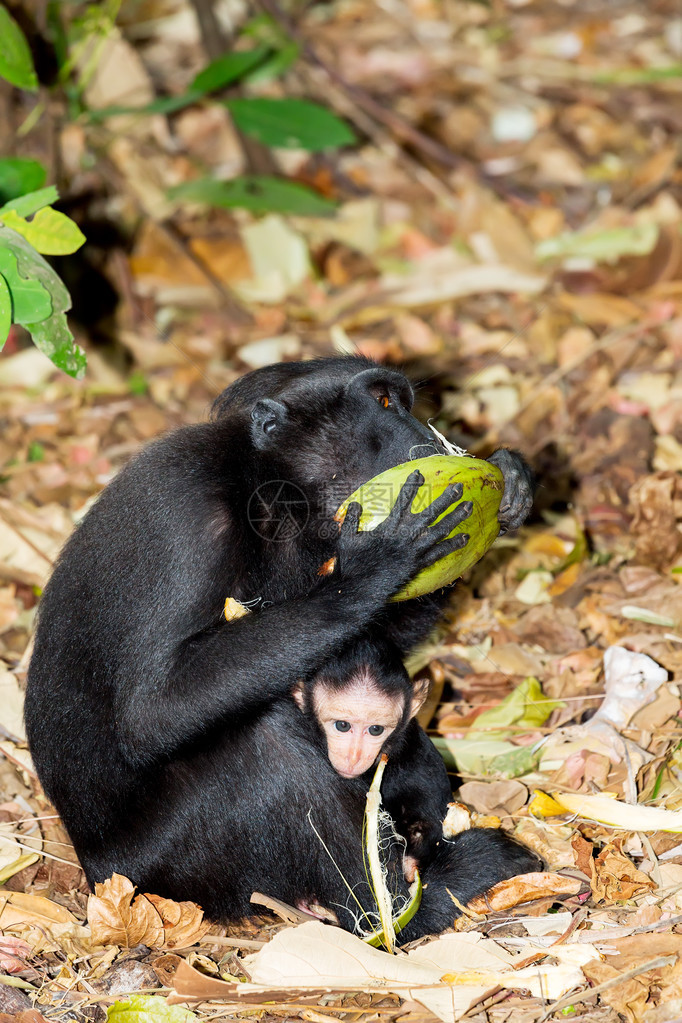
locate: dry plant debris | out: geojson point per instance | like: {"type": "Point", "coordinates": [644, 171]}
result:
{"type": "Point", "coordinates": [509, 230]}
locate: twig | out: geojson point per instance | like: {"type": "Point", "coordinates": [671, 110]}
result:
{"type": "Point", "coordinates": [258, 157]}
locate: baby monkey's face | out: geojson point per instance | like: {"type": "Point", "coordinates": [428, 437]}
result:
{"type": "Point", "coordinates": [358, 718]}
{"type": "Point", "coordinates": [356, 722]}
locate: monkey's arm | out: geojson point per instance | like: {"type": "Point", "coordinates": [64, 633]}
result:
{"type": "Point", "coordinates": [416, 792]}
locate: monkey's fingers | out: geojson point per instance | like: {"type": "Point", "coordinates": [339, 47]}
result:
{"type": "Point", "coordinates": [451, 495]}
{"type": "Point", "coordinates": [407, 494]}
{"type": "Point", "coordinates": [445, 547]}
{"type": "Point", "coordinates": [442, 529]}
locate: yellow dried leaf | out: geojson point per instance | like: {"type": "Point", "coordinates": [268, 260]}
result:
{"type": "Point", "coordinates": [233, 609]}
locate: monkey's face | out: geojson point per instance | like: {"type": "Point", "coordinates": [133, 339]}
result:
{"type": "Point", "coordinates": [357, 718]}
{"type": "Point", "coordinates": [334, 428]}
{"type": "Point", "coordinates": [356, 722]}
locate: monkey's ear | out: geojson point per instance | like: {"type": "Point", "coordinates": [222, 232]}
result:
{"type": "Point", "coordinates": [299, 695]}
{"type": "Point", "coordinates": [420, 690]}
{"type": "Point", "coordinates": [266, 416]}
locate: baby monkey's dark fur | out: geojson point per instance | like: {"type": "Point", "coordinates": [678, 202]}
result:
{"type": "Point", "coordinates": [167, 737]}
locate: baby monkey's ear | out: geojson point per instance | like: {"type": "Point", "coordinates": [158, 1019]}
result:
{"type": "Point", "coordinates": [420, 690]}
{"type": "Point", "coordinates": [298, 694]}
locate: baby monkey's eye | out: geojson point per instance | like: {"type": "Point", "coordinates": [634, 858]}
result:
{"type": "Point", "coordinates": [384, 401]}
{"type": "Point", "coordinates": [342, 726]}
{"type": "Point", "coordinates": [376, 729]}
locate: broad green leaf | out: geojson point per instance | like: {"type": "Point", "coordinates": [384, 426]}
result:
{"type": "Point", "coordinates": [18, 176]}
{"type": "Point", "coordinates": [28, 204]}
{"type": "Point", "coordinates": [148, 1009]}
{"type": "Point", "coordinates": [290, 123]}
{"type": "Point", "coordinates": [30, 300]}
{"type": "Point", "coordinates": [5, 311]}
{"type": "Point", "coordinates": [33, 267]}
{"type": "Point", "coordinates": [487, 757]}
{"type": "Point", "coordinates": [227, 69]}
{"type": "Point", "coordinates": [53, 338]}
{"type": "Point", "coordinates": [259, 193]}
{"type": "Point", "coordinates": [471, 756]}
{"type": "Point", "coordinates": [525, 707]}
{"type": "Point", "coordinates": [601, 246]}
{"type": "Point", "coordinates": [16, 62]}
{"type": "Point", "coordinates": [50, 232]}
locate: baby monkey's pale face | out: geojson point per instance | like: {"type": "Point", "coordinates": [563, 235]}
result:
{"type": "Point", "coordinates": [358, 719]}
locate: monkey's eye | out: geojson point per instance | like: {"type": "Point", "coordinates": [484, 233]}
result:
{"type": "Point", "coordinates": [376, 729]}
{"type": "Point", "coordinates": [342, 726]}
{"type": "Point", "coordinates": [384, 401]}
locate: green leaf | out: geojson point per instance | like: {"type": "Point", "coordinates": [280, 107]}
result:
{"type": "Point", "coordinates": [276, 64]}
{"type": "Point", "coordinates": [33, 267]}
{"type": "Point", "coordinates": [5, 311]}
{"type": "Point", "coordinates": [30, 300]}
{"type": "Point", "coordinates": [258, 193]}
{"type": "Point", "coordinates": [489, 757]}
{"type": "Point", "coordinates": [290, 123]}
{"type": "Point", "coordinates": [525, 707]}
{"type": "Point", "coordinates": [50, 232]}
{"type": "Point", "coordinates": [18, 176]}
{"type": "Point", "coordinates": [148, 1009]}
{"type": "Point", "coordinates": [53, 338]}
{"type": "Point", "coordinates": [16, 62]}
{"type": "Point", "coordinates": [227, 69]}
{"type": "Point", "coordinates": [30, 203]}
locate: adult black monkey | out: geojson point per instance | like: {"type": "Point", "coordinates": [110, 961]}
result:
{"type": "Point", "coordinates": [166, 736]}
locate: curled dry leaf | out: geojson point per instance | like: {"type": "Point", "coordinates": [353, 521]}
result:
{"type": "Point", "coordinates": [524, 888]}
{"type": "Point", "coordinates": [183, 922]}
{"type": "Point", "coordinates": [119, 917]}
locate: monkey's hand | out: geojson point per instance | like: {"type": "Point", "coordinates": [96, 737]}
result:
{"type": "Point", "coordinates": [392, 553]}
{"type": "Point", "coordinates": [519, 487]}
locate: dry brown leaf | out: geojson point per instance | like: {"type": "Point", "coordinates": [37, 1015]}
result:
{"type": "Point", "coordinates": [524, 888]}
{"type": "Point", "coordinates": [600, 309]}
{"type": "Point", "coordinates": [183, 922]}
{"type": "Point", "coordinates": [654, 501]}
{"type": "Point", "coordinates": [119, 917]}
{"type": "Point", "coordinates": [613, 877]}
{"type": "Point", "coordinates": [494, 797]}
{"type": "Point", "coordinates": [633, 997]}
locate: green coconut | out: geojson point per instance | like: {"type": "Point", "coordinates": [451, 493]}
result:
{"type": "Point", "coordinates": [483, 485]}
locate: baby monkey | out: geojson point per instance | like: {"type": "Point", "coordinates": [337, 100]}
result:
{"type": "Point", "coordinates": [363, 704]}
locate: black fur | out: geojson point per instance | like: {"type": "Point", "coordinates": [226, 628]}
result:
{"type": "Point", "coordinates": [166, 736]}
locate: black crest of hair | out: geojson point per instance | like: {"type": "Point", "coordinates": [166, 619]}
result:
{"type": "Point", "coordinates": [166, 736]}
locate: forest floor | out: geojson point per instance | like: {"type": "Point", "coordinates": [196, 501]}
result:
{"type": "Point", "coordinates": [509, 233]}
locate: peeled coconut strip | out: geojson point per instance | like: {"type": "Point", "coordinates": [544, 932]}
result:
{"type": "Point", "coordinates": [616, 814]}
{"type": "Point", "coordinates": [390, 925]}
{"type": "Point", "coordinates": [376, 870]}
